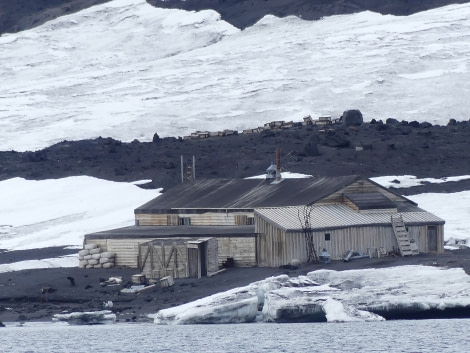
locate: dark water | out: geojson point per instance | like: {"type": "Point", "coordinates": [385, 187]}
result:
{"type": "Point", "coordinates": [389, 336]}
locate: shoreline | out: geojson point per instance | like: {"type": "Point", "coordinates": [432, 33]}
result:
{"type": "Point", "coordinates": [21, 300]}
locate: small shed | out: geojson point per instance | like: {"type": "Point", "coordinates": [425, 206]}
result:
{"type": "Point", "coordinates": [202, 257]}
{"type": "Point", "coordinates": [179, 258]}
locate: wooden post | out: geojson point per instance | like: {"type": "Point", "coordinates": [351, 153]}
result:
{"type": "Point", "coordinates": [182, 172]}
{"type": "Point", "coordinates": [194, 168]}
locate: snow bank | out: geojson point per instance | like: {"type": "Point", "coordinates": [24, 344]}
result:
{"type": "Point", "coordinates": [64, 261]}
{"type": "Point", "coordinates": [59, 212]}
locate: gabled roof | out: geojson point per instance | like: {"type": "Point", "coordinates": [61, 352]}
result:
{"type": "Point", "coordinates": [334, 216]}
{"type": "Point", "coordinates": [245, 194]}
{"type": "Point", "coordinates": [370, 201]}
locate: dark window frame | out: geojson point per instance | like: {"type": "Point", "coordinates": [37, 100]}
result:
{"type": "Point", "coordinates": [184, 221]}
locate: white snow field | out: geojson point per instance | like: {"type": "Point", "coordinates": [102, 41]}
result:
{"type": "Point", "coordinates": [58, 212]}
{"type": "Point", "coordinates": [126, 70]}
{"type": "Point", "coordinates": [339, 295]}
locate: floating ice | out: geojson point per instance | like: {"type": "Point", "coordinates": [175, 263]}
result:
{"type": "Point", "coordinates": [333, 296]}
{"type": "Point", "coordinates": [87, 317]}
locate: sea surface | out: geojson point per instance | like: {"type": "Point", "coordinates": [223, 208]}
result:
{"type": "Point", "coordinates": [389, 336]}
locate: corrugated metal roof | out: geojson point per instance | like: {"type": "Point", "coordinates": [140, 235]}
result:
{"type": "Point", "coordinates": [173, 231]}
{"type": "Point", "coordinates": [338, 216]}
{"type": "Point", "coordinates": [246, 193]}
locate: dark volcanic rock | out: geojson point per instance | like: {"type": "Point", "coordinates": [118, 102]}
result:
{"type": "Point", "coordinates": [244, 13]}
{"type": "Point", "coordinates": [311, 147]}
{"type": "Point", "coordinates": [430, 151]}
{"type": "Point", "coordinates": [332, 139]}
{"type": "Point", "coordinates": [352, 118]}
{"type": "Point", "coordinates": [18, 15]}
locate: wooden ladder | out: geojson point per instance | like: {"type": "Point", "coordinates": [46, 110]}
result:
{"type": "Point", "coordinates": [406, 247]}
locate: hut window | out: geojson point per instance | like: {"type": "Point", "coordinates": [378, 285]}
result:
{"type": "Point", "coordinates": [250, 220]}
{"type": "Point", "coordinates": [184, 221]}
{"type": "Point", "coordinates": [327, 237]}
{"type": "Point", "coordinates": [241, 220]}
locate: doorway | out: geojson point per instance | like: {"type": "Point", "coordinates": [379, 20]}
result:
{"type": "Point", "coordinates": [432, 238]}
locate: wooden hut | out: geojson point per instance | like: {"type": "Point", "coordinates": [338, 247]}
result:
{"type": "Point", "coordinates": [363, 217]}
{"type": "Point", "coordinates": [259, 222]}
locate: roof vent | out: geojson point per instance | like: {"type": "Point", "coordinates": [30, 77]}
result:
{"type": "Point", "coordinates": [273, 172]}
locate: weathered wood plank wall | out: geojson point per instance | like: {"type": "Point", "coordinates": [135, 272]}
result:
{"type": "Point", "coordinates": [276, 248]}
{"type": "Point", "coordinates": [242, 250]}
{"type": "Point", "coordinates": [197, 219]}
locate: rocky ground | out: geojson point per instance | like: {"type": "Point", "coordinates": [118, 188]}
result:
{"type": "Point", "coordinates": [371, 149]}
{"type": "Point", "coordinates": [21, 300]}
{"type": "Point", "coordinates": [244, 13]}
{"type": "Point", "coordinates": [19, 15]}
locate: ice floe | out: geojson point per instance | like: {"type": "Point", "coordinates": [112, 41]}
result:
{"type": "Point", "coordinates": [333, 296]}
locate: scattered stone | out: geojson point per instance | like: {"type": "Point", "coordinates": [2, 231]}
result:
{"type": "Point", "coordinates": [426, 125]}
{"type": "Point", "coordinates": [71, 280]}
{"type": "Point", "coordinates": [391, 121]}
{"type": "Point", "coordinates": [332, 139]}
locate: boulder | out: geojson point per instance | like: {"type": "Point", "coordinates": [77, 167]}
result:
{"type": "Point", "coordinates": [391, 121]}
{"type": "Point", "coordinates": [426, 125]}
{"type": "Point", "coordinates": [452, 122]}
{"type": "Point", "coordinates": [352, 118]}
{"type": "Point", "coordinates": [414, 124]}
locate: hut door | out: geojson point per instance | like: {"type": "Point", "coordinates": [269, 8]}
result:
{"type": "Point", "coordinates": [203, 252]}
{"type": "Point", "coordinates": [432, 238]}
{"type": "Point", "coordinates": [193, 262]}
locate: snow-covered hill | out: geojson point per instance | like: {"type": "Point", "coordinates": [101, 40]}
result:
{"type": "Point", "coordinates": [126, 70]}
